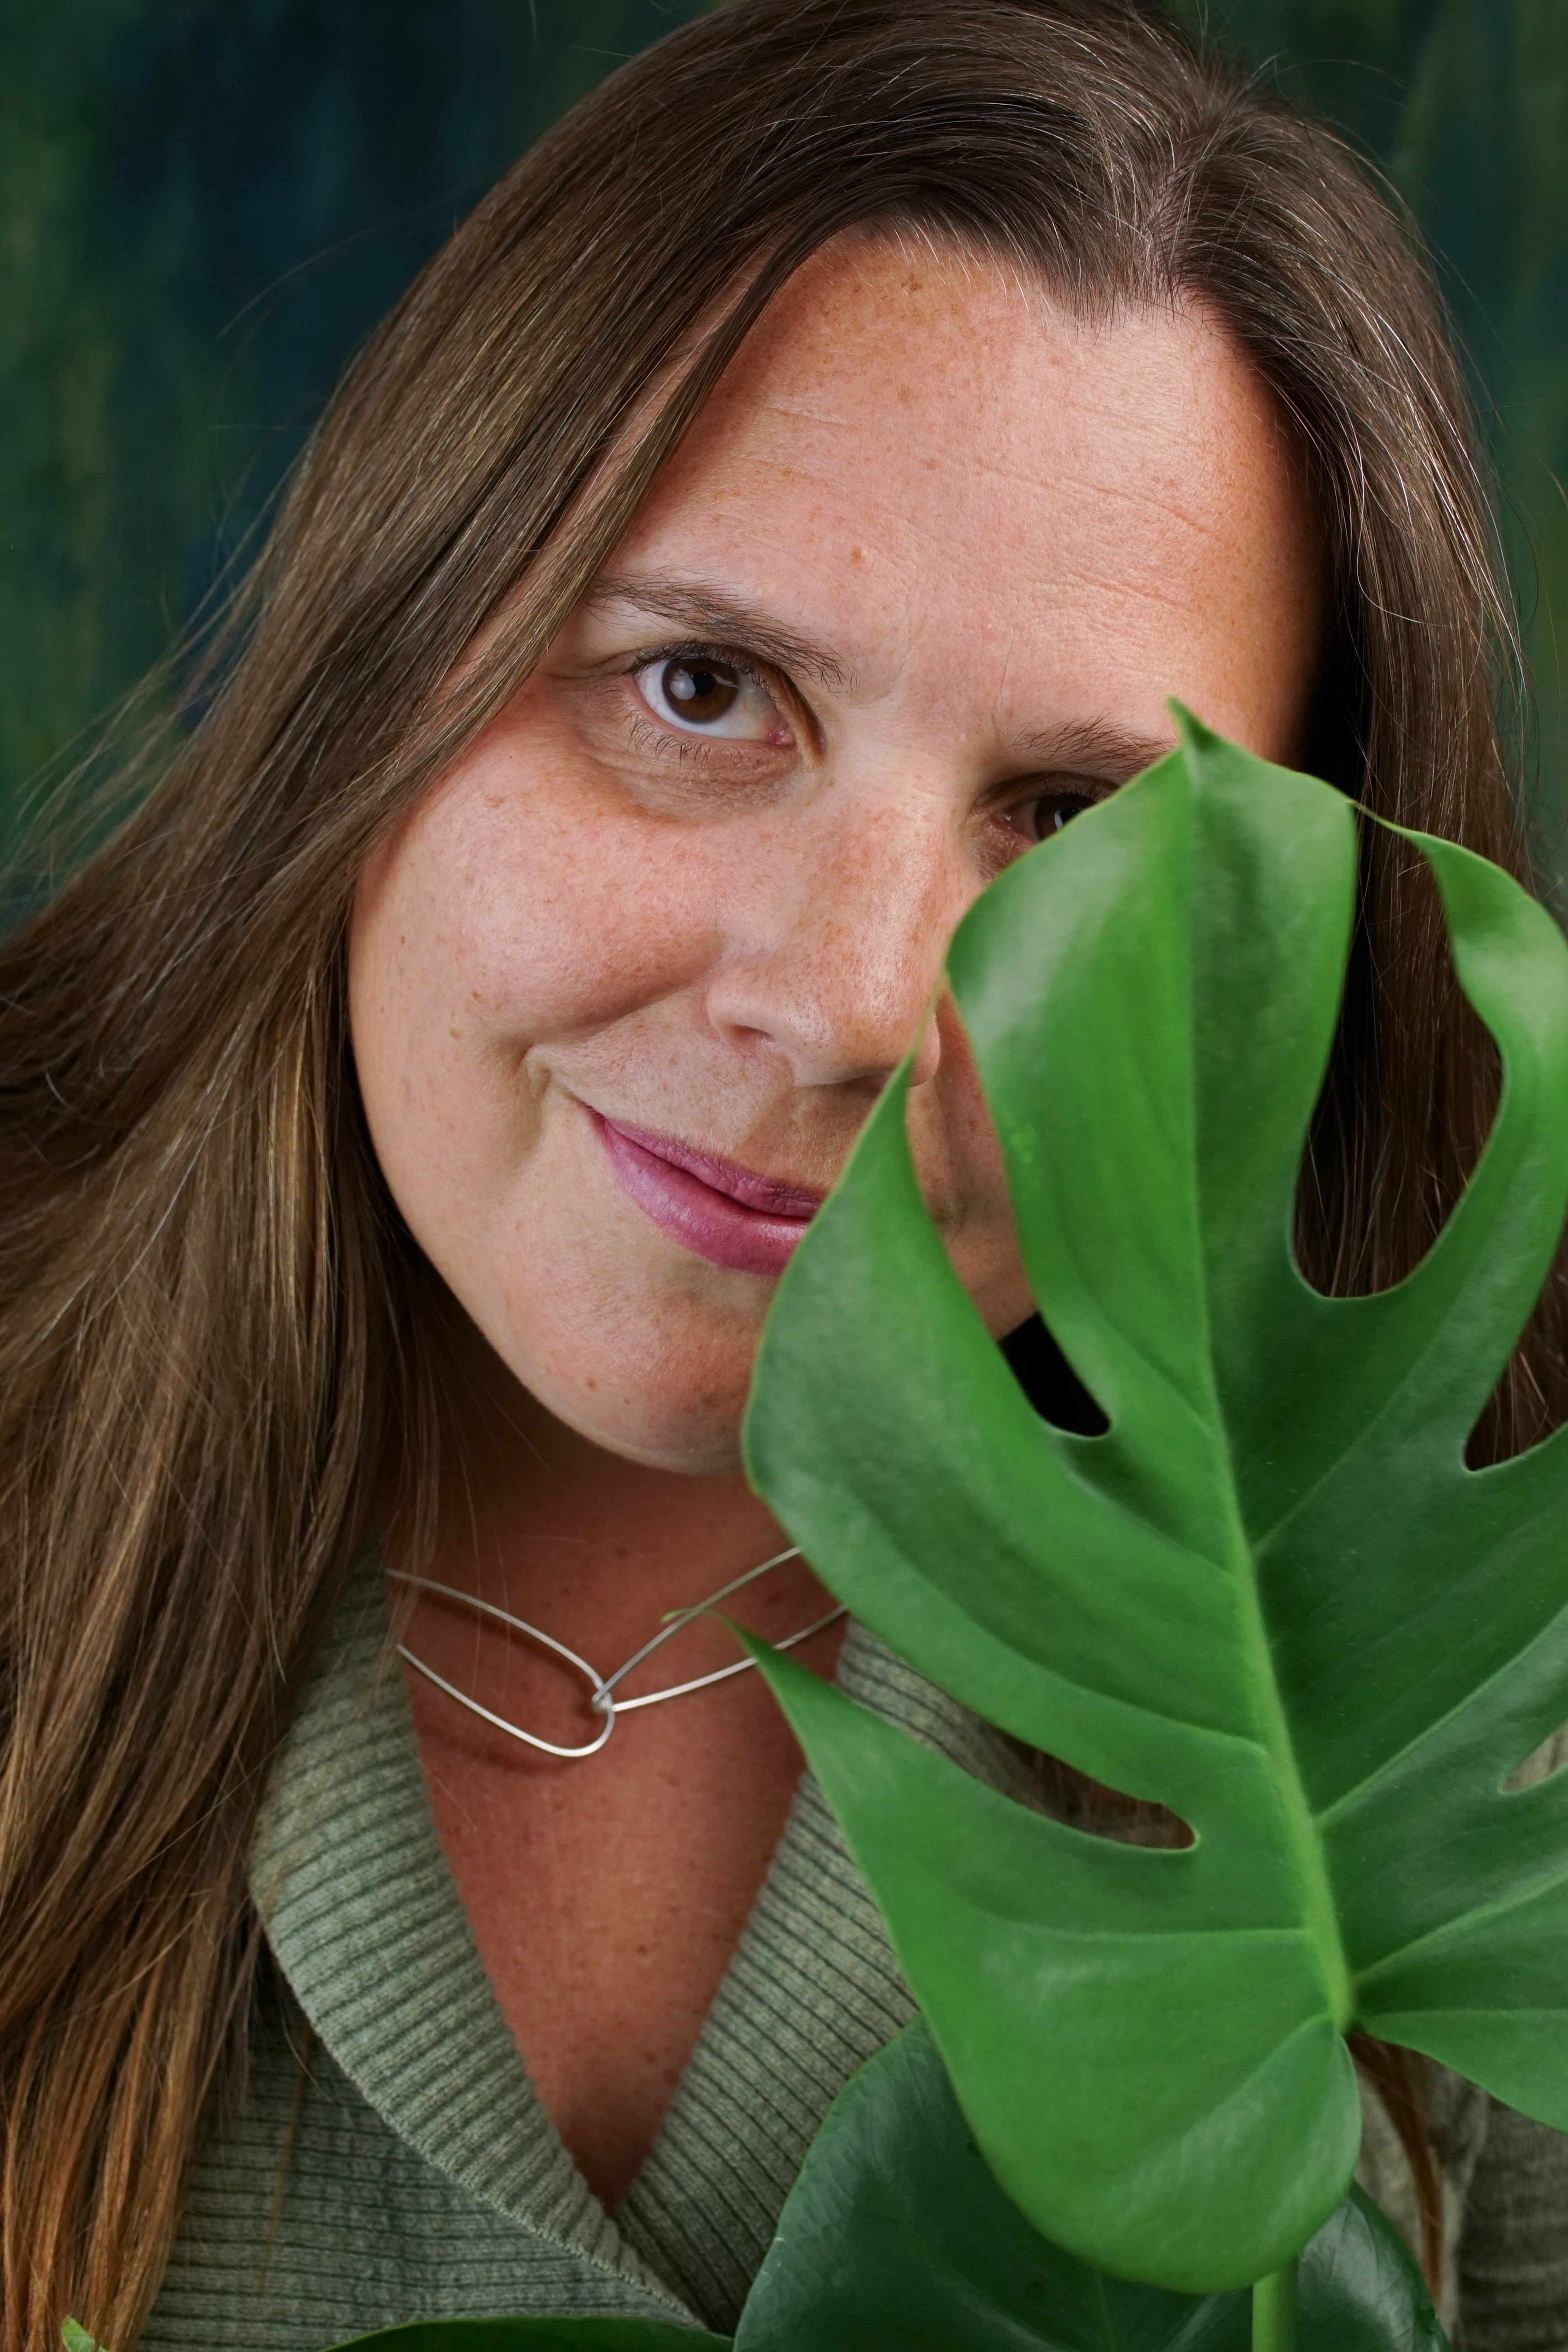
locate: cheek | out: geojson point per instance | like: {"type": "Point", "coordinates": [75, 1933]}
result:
{"type": "Point", "coordinates": [492, 931]}
{"type": "Point", "coordinates": [651, 1369]}
{"type": "Point", "coordinates": [508, 916]}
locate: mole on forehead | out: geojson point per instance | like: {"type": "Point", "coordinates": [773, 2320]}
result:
{"type": "Point", "coordinates": [703, 609]}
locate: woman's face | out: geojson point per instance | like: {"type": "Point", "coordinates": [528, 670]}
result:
{"type": "Point", "coordinates": [626, 984]}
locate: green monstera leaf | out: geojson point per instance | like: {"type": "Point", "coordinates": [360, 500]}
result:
{"type": "Point", "coordinates": [897, 2239]}
{"type": "Point", "coordinates": [1270, 1597]}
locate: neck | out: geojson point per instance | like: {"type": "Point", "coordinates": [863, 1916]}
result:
{"type": "Point", "coordinates": [548, 1524]}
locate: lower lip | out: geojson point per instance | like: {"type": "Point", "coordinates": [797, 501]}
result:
{"type": "Point", "coordinates": [717, 1227]}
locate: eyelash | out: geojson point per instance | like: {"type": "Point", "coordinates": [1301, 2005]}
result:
{"type": "Point", "coordinates": [663, 743]}
{"type": "Point", "coordinates": [645, 729]}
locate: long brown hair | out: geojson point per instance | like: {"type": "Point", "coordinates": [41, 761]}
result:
{"type": "Point", "coordinates": [211, 1314]}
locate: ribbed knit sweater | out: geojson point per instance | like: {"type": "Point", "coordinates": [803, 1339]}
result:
{"type": "Point", "coordinates": [390, 2160]}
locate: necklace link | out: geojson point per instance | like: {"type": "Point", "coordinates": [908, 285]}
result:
{"type": "Point", "coordinates": [601, 1688]}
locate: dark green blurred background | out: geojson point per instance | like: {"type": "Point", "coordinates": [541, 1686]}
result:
{"type": "Point", "coordinates": [207, 204]}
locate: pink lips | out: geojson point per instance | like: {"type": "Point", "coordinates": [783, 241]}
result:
{"type": "Point", "coordinates": [724, 1212]}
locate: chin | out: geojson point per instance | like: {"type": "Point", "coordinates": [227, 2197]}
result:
{"type": "Point", "coordinates": [654, 1371]}
{"type": "Point", "coordinates": [667, 1424]}
{"type": "Point", "coordinates": [701, 1443]}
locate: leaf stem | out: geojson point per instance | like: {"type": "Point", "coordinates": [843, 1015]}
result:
{"type": "Point", "coordinates": [1274, 2312]}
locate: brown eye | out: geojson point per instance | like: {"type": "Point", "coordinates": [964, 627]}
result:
{"type": "Point", "coordinates": [700, 691]}
{"type": "Point", "coordinates": [703, 694]}
{"type": "Point", "coordinates": [1038, 819]}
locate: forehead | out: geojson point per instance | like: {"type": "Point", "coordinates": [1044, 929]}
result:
{"type": "Point", "coordinates": [913, 443]}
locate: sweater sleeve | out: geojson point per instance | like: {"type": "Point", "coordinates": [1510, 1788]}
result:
{"type": "Point", "coordinates": [1513, 2248]}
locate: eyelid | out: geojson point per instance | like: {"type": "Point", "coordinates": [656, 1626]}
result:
{"type": "Point", "coordinates": [1021, 790]}
{"type": "Point", "coordinates": [693, 649]}
{"type": "Point", "coordinates": [781, 691]}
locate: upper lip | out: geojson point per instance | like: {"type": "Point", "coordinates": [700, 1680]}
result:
{"type": "Point", "coordinates": [764, 1194]}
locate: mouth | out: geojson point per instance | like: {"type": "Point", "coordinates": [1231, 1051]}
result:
{"type": "Point", "coordinates": [726, 1213]}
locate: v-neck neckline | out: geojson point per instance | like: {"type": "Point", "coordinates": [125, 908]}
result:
{"type": "Point", "coordinates": [371, 1933]}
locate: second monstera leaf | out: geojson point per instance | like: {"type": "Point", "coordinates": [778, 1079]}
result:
{"type": "Point", "coordinates": [1270, 1597]}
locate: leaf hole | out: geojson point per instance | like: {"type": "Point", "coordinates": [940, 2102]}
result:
{"type": "Point", "coordinates": [1081, 1803]}
{"type": "Point", "coordinates": [1050, 1382]}
{"type": "Point", "coordinates": [1055, 1392]}
{"type": "Point", "coordinates": [1410, 1092]}
{"type": "Point", "coordinates": [1408, 1102]}
{"type": "Point", "coordinates": [1541, 1763]}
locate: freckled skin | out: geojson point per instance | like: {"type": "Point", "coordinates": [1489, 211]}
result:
{"type": "Point", "coordinates": [1010, 536]}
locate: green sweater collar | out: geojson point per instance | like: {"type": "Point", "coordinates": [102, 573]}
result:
{"type": "Point", "coordinates": [367, 1925]}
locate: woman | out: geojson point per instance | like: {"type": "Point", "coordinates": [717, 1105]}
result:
{"type": "Point", "coordinates": [793, 491]}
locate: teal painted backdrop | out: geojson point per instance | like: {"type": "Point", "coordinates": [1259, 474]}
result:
{"type": "Point", "coordinates": [1464, 105]}
{"type": "Point", "coordinates": [205, 205]}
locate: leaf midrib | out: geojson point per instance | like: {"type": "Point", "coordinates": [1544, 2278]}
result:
{"type": "Point", "coordinates": [1321, 1913]}
{"type": "Point", "coordinates": [1307, 1853]}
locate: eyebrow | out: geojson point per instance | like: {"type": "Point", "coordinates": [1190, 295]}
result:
{"type": "Point", "coordinates": [1095, 746]}
{"type": "Point", "coordinates": [703, 610]}
{"type": "Point", "coordinates": [1098, 747]}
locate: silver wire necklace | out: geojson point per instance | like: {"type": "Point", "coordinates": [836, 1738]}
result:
{"type": "Point", "coordinates": [601, 1688]}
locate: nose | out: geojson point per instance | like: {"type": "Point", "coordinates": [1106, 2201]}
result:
{"type": "Point", "coordinates": [834, 948]}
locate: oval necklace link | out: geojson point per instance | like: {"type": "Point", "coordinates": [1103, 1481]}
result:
{"type": "Point", "coordinates": [601, 1688]}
